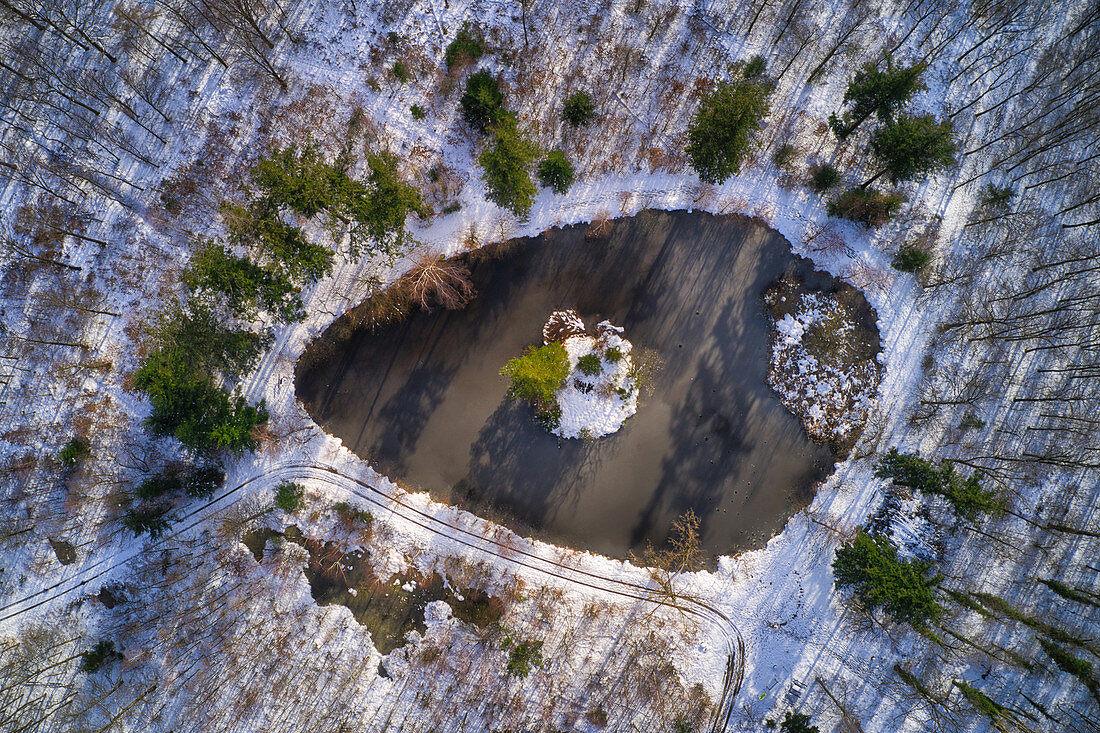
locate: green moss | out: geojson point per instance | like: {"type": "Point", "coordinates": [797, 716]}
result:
{"type": "Point", "coordinates": [538, 374]}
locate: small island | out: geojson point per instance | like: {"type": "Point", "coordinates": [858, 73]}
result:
{"type": "Point", "coordinates": [581, 385]}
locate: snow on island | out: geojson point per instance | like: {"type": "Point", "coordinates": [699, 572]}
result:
{"type": "Point", "coordinates": [823, 368]}
{"type": "Point", "coordinates": [596, 390]}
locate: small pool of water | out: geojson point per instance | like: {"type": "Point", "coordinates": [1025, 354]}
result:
{"type": "Point", "coordinates": [388, 609]}
{"type": "Point", "coordinates": [423, 401]}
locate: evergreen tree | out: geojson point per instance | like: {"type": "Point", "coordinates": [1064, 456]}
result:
{"type": "Point", "coordinates": [911, 146]}
{"type": "Point", "coordinates": [300, 180]}
{"type": "Point", "coordinates": [204, 481]}
{"type": "Point", "coordinates": [246, 286]}
{"type": "Point", "coordinates": [280, 246]}
{"type": "Point", "coordinates": [483, 103]}
{"type": "Point", "coordinates": [381, 208]}
{"type": "Point", "coordinates": [506, 164]}
{"type": "Point", "coordinates": [372, 211]}
{"type": "Point", "coordinates": [578, 109]}
{"type": "Point", "coordinates": [870, 566]}
{"type": "Point", "coordinates": [880, 92]}
{"type": "Point", "coordinates": [149, 519]}
{"type": "Point", "coordinates": [188, 406]}
{"type": "Point", "coordinates": [210, 346]}
{"type": "Point", "coordinates": [556, 172]}
{"type": "Point", "coordinates": [966, 496]}
{"type": "Point", "coordinates": [797, 723]}
{"type": "Point", "coordinates": [466, 48]}
{"type": "Point", "coordinates": [538, 374]}
{"type": "Point", "coordinates": [721, 132]}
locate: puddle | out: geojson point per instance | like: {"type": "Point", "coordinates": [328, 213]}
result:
{"type": "Point", "coordinates": [388, 609]}
{"type": "Point", "coordinates": [66, 553]}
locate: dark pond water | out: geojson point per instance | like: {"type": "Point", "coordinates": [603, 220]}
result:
{"type": "Point", "coordinates": [423, 401]}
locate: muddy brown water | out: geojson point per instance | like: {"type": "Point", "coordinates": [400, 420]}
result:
{"type": "Point", "coordinates": [388, 609]}
{"type": "Point", "coordinates": [423, 401]}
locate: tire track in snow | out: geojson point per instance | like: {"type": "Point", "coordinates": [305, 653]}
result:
{"type": "Point", "coordinates": [393, 504]}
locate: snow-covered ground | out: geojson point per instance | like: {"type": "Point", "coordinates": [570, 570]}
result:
{"type": "Point", "coordinates": [213, 641]}
{"type": "Point", "coordinates": [595, 405]}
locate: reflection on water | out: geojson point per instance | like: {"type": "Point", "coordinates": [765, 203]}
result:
{"type": "Point", "coordinates": [423, 401]}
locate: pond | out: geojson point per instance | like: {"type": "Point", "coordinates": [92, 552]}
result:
{"type": "Point", "coordinates": [422, 399]}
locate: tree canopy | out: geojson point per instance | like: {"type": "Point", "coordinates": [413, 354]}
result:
{"type": "Point", "coordinates": [372, 213]}
{"type": "Point", "coordinates": [880, 92]}
{"type": "Point", "coordinates": [966, 496]}
{"type": "Point", "coordinates": [578, 109]}
{"type": "Point", "coordinates": [912, 145]}
{"type": "Point", "coordinates": [722, 130]}
{"type": "Point", "coordinates": [870, 566]}
{"type": "Point", "coordinates": [190, 407]}
{"type": "Point", "coordinates": [246, 286]}
{"type": "Point", "coordinates": [506, 164]}
{"type": "Point", "coordinates": [538, 374]}
{"type": "Point", "coordinates": [192, 352]}
{"type": "Point", "coordinates": [556, 172]}
{"type": "Point", "coordinates": [482, 102]}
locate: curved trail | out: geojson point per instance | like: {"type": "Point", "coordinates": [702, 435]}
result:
{"type": "Point", "coordinates": [393, 504]}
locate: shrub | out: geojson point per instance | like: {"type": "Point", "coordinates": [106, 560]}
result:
{"type": "Point", "coordinates": [556, 172]}
{"type": "Point", "coordinates": [505, 168]}
{"type": "Point", "coordinates": [418, 112]}
{"type": "Point", "coordinates": [756, 67]}
{"type": "Point", "coordinates": [784, 155]}
{"type": "Point", "coordinates": [880, 579]}
{"type": "Point", "coordinates": [996, 197]}
{"type": "Point", "coordinates": [966, 496]}
{"type": "Point", "coordinates": [549, 417]}
{"type": "Point", "coordinates": [289, 496]}
{"type": "Point", "coordinates": [482, 103]}
{"type": "Point", "coordinates": [523, 657]}
{"type": "Point", "coordinates": [348, 513]}
{"type": "Point", "coordinates": [151, 519]}
{"type": "Point", "coordinates": [466, 48]}
{"type": "Point", "coordinates": [613, 354]}
{"type": "Point", "coordinates": [970, 421]}
{"type": "Point", "coordinates": [97, 657]}
{"type": "Point", "coordinates": [824, 177]}
{"type": "Point", "coordinates": [401, 72]}
{"type": "Point", "coordinates": [74, 452]}
{"type": "Point", "coordinates": [538, 374]}
{"type": "Point", "coordinates": [589, 364]}
{"type": "Point", "coordinates": [866, 206]}
{"type": "Point", "coordinates": [436, 281]}
{"type": "Point", "coordinates": [202, 482]}
{"type": "Point", "coordinates": [578, 109]}
{"type": "Point", "coordinates": [910, 258]}
{"type": "Point", "coordinates": [722, 130]}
